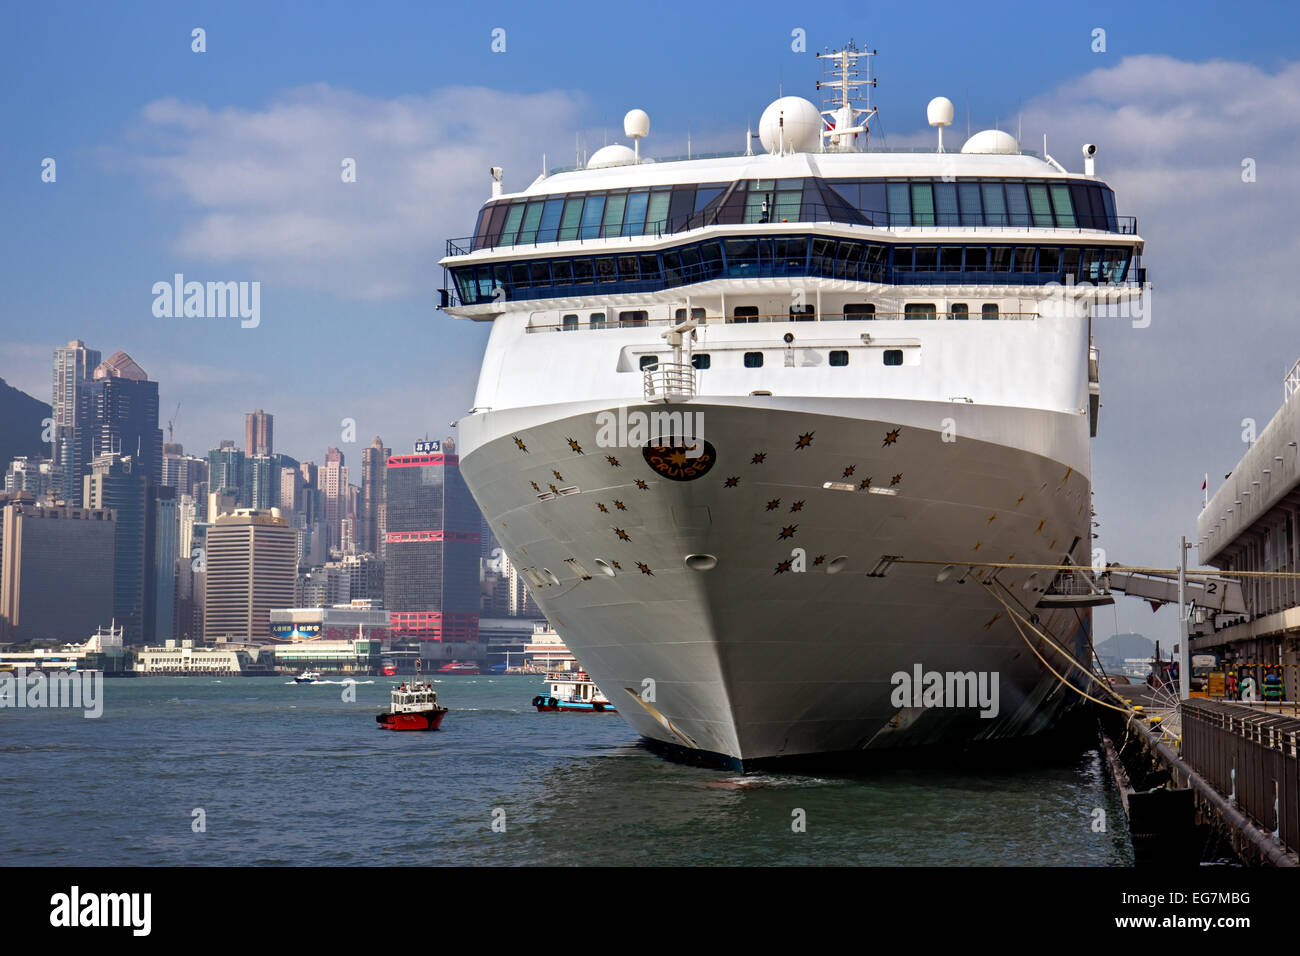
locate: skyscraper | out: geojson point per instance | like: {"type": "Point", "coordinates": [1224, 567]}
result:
{"type": "Point", "coordinates": [251, 568]}
{"type": "Point", "coordinates": [333, 479]}
{"type": "Point", "coordinates": [374, 471]}
{"type": "Point", "coordinates": [162, 546]}
{"type": "Point", "coordinates": [431, 569]}
{"type": "Point", "coordinates": [118, 415]}
{"type": "Point", "coordinates": [116, 482]}
{"type": "Point", "coordinates": [227, 474]}
{"type": "Point", "coordinates": [258, 428]}
{"type": "Point", "coordinates": [73, 366]}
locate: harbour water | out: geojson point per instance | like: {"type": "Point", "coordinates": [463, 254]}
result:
{"type": "Point", "coordinates": [296, 775]}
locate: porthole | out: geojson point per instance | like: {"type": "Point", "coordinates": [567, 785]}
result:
{"type": "Point", "coordinates": [701, 562]}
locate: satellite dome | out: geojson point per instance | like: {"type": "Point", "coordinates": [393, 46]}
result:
{"type": "Point", "coordinates": [991, 141]}
{"type": "Point", "coordinates": [616, 154]}
{"type": "Point", "coordinates": [939, 111]}
{"type": "Point", "coordinates": [636, 124]}
{"type": "Point", "coordinates": [802, 126]}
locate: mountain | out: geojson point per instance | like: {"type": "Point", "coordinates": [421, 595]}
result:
{"type": "Point", "coordinates": [22, 420]}
{"type": "Point", "coordinates": [1121, 646]}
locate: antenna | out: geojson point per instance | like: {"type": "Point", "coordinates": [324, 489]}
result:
{"type": "Point", "coordinates": [846, 97]}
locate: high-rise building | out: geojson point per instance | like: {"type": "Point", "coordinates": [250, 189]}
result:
{"type": "Point", "coordinates": [431, 568]}
{"type": "Point", "coordinates": [118, 415]}
{"type": "Point", "coordinates": [227, 473]}
{"type": "Point", "coordinates": [73, 366]}
{"type": "Point", "coordinates": [374, 471]}
{"type": "Point", "coordinates": [333, 482]}
{"type": "Point", "coordinates": [116, 482]}
{"type": "Point", "coordinates": [258, 428]}
{"type": "Point", "coordinates": [39, 477]}
{"type": "Point", "coordinates": [251, 568]}
{"type": "Point", "coordinates": [57, 580]}
{"type": "Point", "coordinates": [181, 471]}
{"type": "Point", "coordinates": [162, 549]}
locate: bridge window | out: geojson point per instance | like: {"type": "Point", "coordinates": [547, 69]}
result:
{"type": "Point", "coordinates": [999, 259]}
{"type": "Point", "coordinates": [959, 311]}
{"type": "Point", "coordinates": [569, 322]}
{"type": "Point", "coordinates": [656, 217]}
{"type": "Point", "coordinates": [605, 269]}
{"type": "Point", "coordinates": [634, 221]}
{"type": "Point", "coordinates": [649, 267]}
{"type": "Point", "coordinates": [1039, 205]}
{"type": "Point", "coordinates": [532, 217]}
{"type": "Point", "coordinates": [920, 310]}
{"type": "Point", "coordinates": [903, 259]}
{"type": "Point", "coordinates": [701, 360]}
{"type": "Point", "coordinates": [989, 310]}
{"type": "Point", "coordinates": [1061, 203]}
{"type": "Point", "coordinates": [583, 271]}
{"type": "Point", "coordinates": [977, 259]}
{"type": "Point", "coordinates": [562, 270]}
{"type": "Point", "coordinates": [859, 311]}
{"type": "Point", "coordinates": [627, 268]}
{"type": "Point", "coordinates": [591, 216]}
{"type": "Point", "coordinates": [927, 258]}
{"type": "Point", "coordinates": [1025, 258]}
{"type": "Point", "coordinates": [839, 358]}
{"type": "Point", "coordinates": [950, 259]}
{"type": "Point", "coordinates": [922, 205]}
{"type": "Point", "coordinates": [893, 356]}
{"type": "Point", "coordinates": [511, 228]}
{"type": "Point", "coordinates": [615, 203]}
{"type": "Point", "coordinates": [753, 360]}
{"type": "Point", "coordinates": [1070, 262]}
{"type": "Point", "coordinates": [1049, 259]}
{"type": "Point", "coordinates": [995, 204]}
{"type": "Point", "coordinates": [572, 217]}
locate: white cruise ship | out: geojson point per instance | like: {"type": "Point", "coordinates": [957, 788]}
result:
{"type": "Point", "coordinates": [730, 404]}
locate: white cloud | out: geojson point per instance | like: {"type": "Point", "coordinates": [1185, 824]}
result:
{"type": "Point", "coordinates": [268, 197]}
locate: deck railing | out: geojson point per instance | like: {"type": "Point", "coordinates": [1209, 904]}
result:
{"type": "Point", "coordinates": [669, 381]}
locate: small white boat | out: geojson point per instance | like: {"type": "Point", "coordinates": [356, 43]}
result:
{"type": "Point", "coordinates": [307, 677]}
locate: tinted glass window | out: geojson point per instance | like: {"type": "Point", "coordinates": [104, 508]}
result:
{"type": "Point", "coordinates": [649, 361]}
{"type": "Point", "coordinates": [959, 310]}
{"type": "Point", "coordinates": [634, 220]}
{"type": "Point", "coordinates": [1049, 259]}
{"type": "Point", "coordinates": [605, 269]}
{"type": "Point", "coordinates": [1070, 262]}
{"type": "Point", "coordinates": [613, 222]}
{"type": "Point", "coordinates": [900, 205]}
{"type": "Point", "coordinates": [1039, 204]}
{"type": "Point", "coordinates": [549, 229]}
{"type": "Point", "coordinates": [969, 194]}
{"type": "Point", "coordinates": [873, 203]}
{"type": "Point", "coordinates": [597, 320]}
{"type": "Point", "coordinates": [988, 311]}
{"type": "Point", "coordinates": [927, 259]}
{"type": "Point", "coordinates": [945, 204]}
{"type": "Point", "coordinates": [571, 219]}
{"type": "Point", "coordinates": [1025, 258]}
{"type": "Point", "coordinates": [995, 205]}
{"type": "Point", "coordinates": [839, 358]}
{"type": "Point", "coordinates": [511, 228]}
{"type": "Point", "coordinates": [1017, 204]}
{"type": "Point", "coordinates": [582, 270]}
{"type": "Point", "coordinates": [649, 267]}
{"type": "Point", "coordinates": [753, 360]}
{"type": "Point", "coordinates": [562, 271]}
{"type": "Point", "coordinates": [859, 310]}
{"type": "Point", "coordinates": [920, 310]}
{"type": "Point", "coordinates": [950, 259]}
{"type": "Point", "coordinates": [977, 259]}
{"type": "Point", "coordinates": [532, 216]}
{"type": "Point", "coordinates": [591, 216]}
{"type": "Point", "coordinates": [744, 313]}
{"type": "Point", "coordinates": [893, 356]}
{"type": "Point", "coordinates": [680, 207]}
{"type": "Point", "coordinates": [999, 259]}
{"type": "Point", "coordinates": [569, 322]}
{"type": "Point", "coordinates": [656, 217]}
{"type": "Point", "coordinates": [1061, 203]}
{"type": "Point", "coordinates": [627, 268]}
{"type": "Point", "coordinates": [701, 360]}
{"type": "Point", "coordinates": [903, 258]}
{"type": "Point", "coordinates": [922, 205]}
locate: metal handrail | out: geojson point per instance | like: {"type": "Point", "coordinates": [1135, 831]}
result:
{"type": "Point", "coordinates": [669, 380]}
{"type": "Point", "coordinates": [824, 317]}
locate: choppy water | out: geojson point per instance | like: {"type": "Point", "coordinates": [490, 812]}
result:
{"type": "Point", "coordinates": [293, 774]}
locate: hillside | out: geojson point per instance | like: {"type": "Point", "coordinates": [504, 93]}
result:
{"type": "Point", "coordinates": [21, 423]}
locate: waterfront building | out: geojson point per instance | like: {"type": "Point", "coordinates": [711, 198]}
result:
{"type": "Point", "coordinates": [431, 567]}
{"type": "Point", "coordinates": [57, 567]}
{"type": "Point", "coordinates": [185, 658]}
{"type": "Point", "coordinates": [1252, 523]}
{"type": "Point", "coordinates": [250, 567]}
{"type": "Point", "coordinates": [116, 482]}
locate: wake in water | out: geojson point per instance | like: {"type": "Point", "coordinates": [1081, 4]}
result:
{"type": "Point", "coordinates": [346, 680]}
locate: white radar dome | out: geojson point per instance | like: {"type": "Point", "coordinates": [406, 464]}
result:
{"type": "Point", "coordinates": [991, 141]}
{"type": "Point", "coordinates": [939, 111]}
{"type": "Point", "coordinates": [802, 128]}
{"type": "Point", "coordinates": [615, 154]}
{"type": "Point", "coordinates": [636, 124]}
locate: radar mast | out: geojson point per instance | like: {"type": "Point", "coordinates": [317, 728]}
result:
{"type": "Point", "coordinates": [845, 89]}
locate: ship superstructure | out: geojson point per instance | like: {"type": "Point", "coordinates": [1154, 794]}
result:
{"type": "Point", "coordinates": [723, 396]}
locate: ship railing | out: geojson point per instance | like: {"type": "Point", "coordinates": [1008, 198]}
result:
{"type": "Point", "coordinates": [669, 381]}
{"type": "Point", "coordinates": [787, 317]}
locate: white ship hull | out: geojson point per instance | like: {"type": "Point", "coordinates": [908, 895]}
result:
{"type": "Point", "coordinates": [754, 659]}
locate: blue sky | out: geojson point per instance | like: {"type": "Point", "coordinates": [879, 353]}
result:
{"type": "Point", "coordinates": [224, 166]}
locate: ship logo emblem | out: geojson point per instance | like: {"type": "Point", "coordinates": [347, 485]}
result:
{"type": "Point", "coordinates": [671, 459]}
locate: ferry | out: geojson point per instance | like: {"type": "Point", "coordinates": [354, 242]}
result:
{"type": "Point", "coordinates": [387, 668]}
{"type": "Point", "coordinates": [307, 677]}
{"type": "Point", "coordinates": [414, 706]}
{"type": "Point", "coordinates": [469, 668]}
{"type": "Point", "coordinates": [573, 691]}
{"type": "Point", "coordinates": [774, 427]}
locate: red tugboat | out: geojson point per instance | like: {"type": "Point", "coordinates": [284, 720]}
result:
{"type": "Point", "coordinates": [414, 707]}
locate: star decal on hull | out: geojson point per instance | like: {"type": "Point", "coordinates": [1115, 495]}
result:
{"type": "Point", "coordinates": [758, 458]}
{"type": "Point", "coordinates": [603, 509]}
{"type": "Point", "coordinates": [891, 437]}
{"type": "Point", "coordinates": [787, 532]}
{"type": "Point", "coordinates": [519, 443]}
{"type": "Point", "coordinates": [848, 472]}
{"type": "Point", "coordinates": [896, 479]}
{"type": "Point", "coordinates": [642, 485]}
{"type": "Point", "coordinates": [797, 506]}
{"type": "Point", "coordinates": [644, 568]}
{"type": "Point", "coordinates": [783, 567]}
{"type": "Point", "coordinates": [804, 441]}
{"type": "Point", "coordinates": [573, 445]}
{"type": "Point", "coordinates": [774, 504]}
{"type": "Point", "coordinates": [731, 482]}
{"type": "Point", "coordinates": [864, 484]}
{"type": "Point", "coordinates": [558, 476]}
{"type": "Point", "coordinates": [554, 490]}
{"type": "Point", "coordinates": [619, 505]}
{"type": "Point", "coordinates": [821, 558]}
{"type": "Point", "coordinates": [616, 566]}
{"type": "Point", "coordinates": [622, 535]}
{"type": "Point", "coordinates": [613, 462]}
{"type": "Point", "coordinates": [536, 486]}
